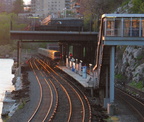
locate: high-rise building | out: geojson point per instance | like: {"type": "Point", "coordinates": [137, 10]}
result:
{"type": "Point", "coordinates": [43, 8]}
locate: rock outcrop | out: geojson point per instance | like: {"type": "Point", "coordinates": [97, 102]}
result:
{"type": "Point", "coordinates": [132, 63]}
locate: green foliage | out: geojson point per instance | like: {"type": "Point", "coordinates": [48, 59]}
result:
{"type": "Point", "coordinates": [93, 9]}
{"type": "Point", "coordinates": [5, 49]}
{"type": "Point", "coordinates": [143, 71]}
{"type": "Point", "coordinates": [4, 28]}
{"type": "Point", "coordinates": [138, 85]}
{"type": "Point", "coordinates": [139, 57]}
{"type": "Point", "coordinates": [142, 7]}
{"type": "Point", "coordinates": [125, 2]}
{"type": "Point", "coordinates": [5, 25]}
{"type": "Point", "coordinates": [95, 25]}
{"type": "Point", "coordinates": [18, 26]}
{"type": "Point", "coordinates": [43, 45]}
{"type": "Point", "coordinates": [70, 13]}
{"type": "Point", "coordinates": [34, 46]}
{"type": "Point", "coordinates": [87, 20]}
{"type": "Point", "coordinates": [22, 104]}
{"type": "Point", "coordinates": [138, 6]}
{"type": "Point", "coordinates": [119, 51]}
{"type": "Point", "coordinates": [119, 76]}
{"type": "Point", "coordinates": [9, 49]}
{"type": "Point", "coordinates": [18, 6]}
{"type": "Point", "coordinates": [127, 64]}
{"type": "Point", "coordinates": [6, 119]}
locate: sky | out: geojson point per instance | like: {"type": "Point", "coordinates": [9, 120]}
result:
{"type": "Point", "coordinates": [26, 1]}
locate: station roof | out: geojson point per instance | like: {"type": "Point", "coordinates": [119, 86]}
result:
{"type": "Point", "coordinates": [122, 15]}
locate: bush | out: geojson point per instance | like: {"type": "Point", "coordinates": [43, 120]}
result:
{"type": "Point", "coordinates": [138, 85]}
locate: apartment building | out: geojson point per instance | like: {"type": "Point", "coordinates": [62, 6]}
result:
{"type": "Point", "coordinates": [6, 5]}
{"type": "Point", "coordinates": [43, 8]}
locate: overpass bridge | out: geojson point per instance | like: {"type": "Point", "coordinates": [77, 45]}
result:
{"type": "Point", "coordinates": [115, 29]}
{"type": "Point", "coordinates": [80, 42]}
{"type": "Point", "coordinates": [56, 36]}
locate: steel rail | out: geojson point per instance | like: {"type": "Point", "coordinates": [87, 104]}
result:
{"type": "Point", "coordinates": [134, 106]}
{"type": "Point", "coordinates": [56, 101]}
{"type": "Point", "coordinates": [57, 96]}
{"type": "Point", "coordinates": [69, 99]}
{"type": "Point", "coordinates": [40, 94]}
{"type": "Point", "coordinates": [82, 103]}
{"type": "Point", "coordinates": [88, 103]}
{"type": "Point", "coordinates": [40, 102]}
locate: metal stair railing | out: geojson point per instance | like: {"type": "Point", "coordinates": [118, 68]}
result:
{"type": "Point", "coordinates": [97, 68]}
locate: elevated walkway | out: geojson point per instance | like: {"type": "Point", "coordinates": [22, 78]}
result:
{"type": "Point", "coordinates": [115, 29]}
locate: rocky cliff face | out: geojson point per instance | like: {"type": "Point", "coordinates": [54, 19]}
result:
{"type": "Point", "coordinates": [129, 59]}
{"type": "Point", "coordinates": [131, 63]}
{"type": "Point", "coordinates": [125, 8]}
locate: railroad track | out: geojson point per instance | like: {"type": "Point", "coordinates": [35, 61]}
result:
{"type": "Point", "coordinates": [67, 103]}
{"type": "Point", "coordinates": [134, 103]}
{"type": "Point", "coordinates": [48, 96]}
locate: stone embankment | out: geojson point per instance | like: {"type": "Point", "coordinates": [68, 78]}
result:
{"type": "Point", "coordinates": [131, 63]}
{"type": "Point", "coordinates": [17, 98]}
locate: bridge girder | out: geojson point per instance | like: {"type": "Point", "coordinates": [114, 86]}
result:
{"type": "Point", "coordinates": [54, 35]}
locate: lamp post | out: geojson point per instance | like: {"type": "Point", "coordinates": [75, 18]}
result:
{"type": "Point", "coordinates": [64, 12]}
{"type": "Point", "coordinates": [34, 22]}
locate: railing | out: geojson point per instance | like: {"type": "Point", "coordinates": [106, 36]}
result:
{"type": "Point", "coordinates": [124, 33]}
{"type": "Point", "coordinates": [97, 68]}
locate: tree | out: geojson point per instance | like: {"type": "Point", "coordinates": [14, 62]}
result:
{"type": "Point", "coordinates": [5, 20]}
{"type": "Point", "coordinates": [93, 9]}
{"type": "Point", "coordinates": [137, 6]}
{"type": "Point", "coordinates": [142, 7]}
{"type": "Point", "coordinates": [18, 6]}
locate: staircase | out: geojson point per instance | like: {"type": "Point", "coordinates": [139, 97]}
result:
{"type": "Point", "coordinates": [102, 61]}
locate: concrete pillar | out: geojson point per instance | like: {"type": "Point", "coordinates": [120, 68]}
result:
{"type": "Point", "coordinates": [77, 66]}
{"type": "Point", "coordinates": [90, 69]}
{"type": "Point", "coordinates": [80, 65]}
{"type": "Point", "coordinates": [112, 73]}
{"type": "Point", "coordinates": [19, 58]}
{"type": "Point", "coordinates": [69, 59]}
{"type": "Point", "coordinates": [107, 83]}
{"type": "Point", "coordinates": [106, 99]}
{"type": "Point", "coordinates": [67, 62]}
{"type": "Point", "coordinates": [70, 64]}
{"type": "Point", "coordinates": [17, 53]}
{"type": "Point", "coordinates": [62, 52]}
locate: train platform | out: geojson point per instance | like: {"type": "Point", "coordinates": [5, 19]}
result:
{"type": "Point", "coordinates": [85, 82]}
